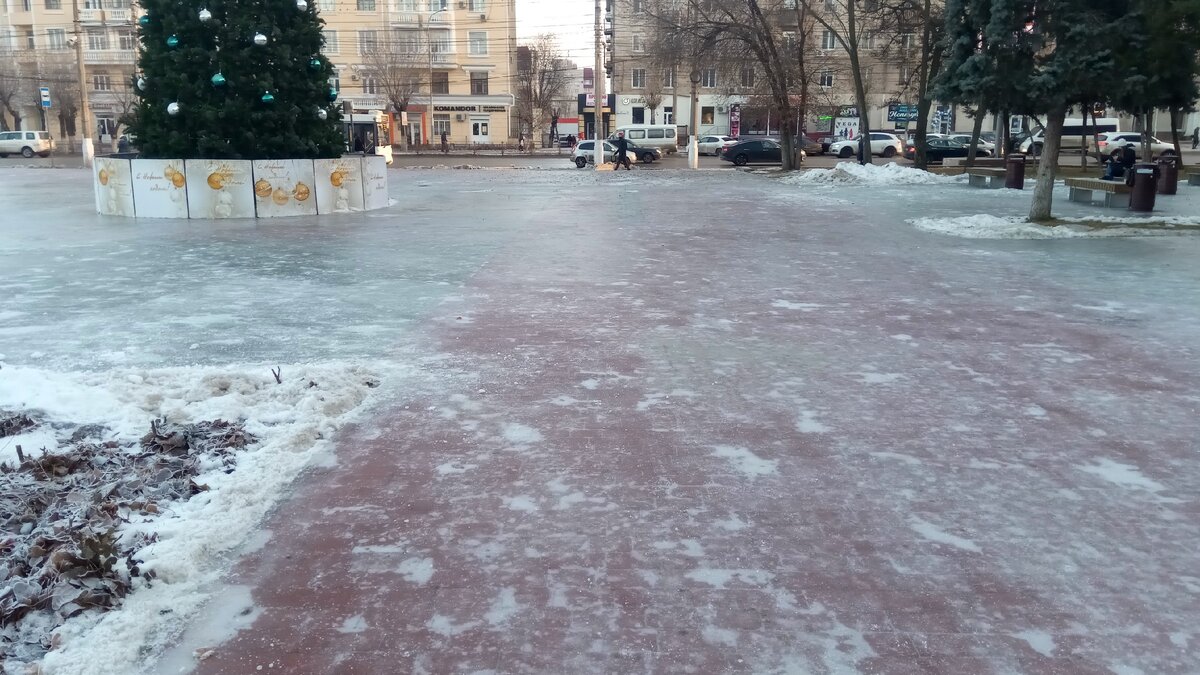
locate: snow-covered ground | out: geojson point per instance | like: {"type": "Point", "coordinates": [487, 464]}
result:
{"type": "Point", "coordinates": [758, 424]}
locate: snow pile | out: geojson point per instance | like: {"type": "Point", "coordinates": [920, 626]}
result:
{"type": "Point", "coordinates": [984, 226]}
{"type": "Point", "coordinates": [188, 539]}
{"type": "Point", "coordinates": [852, 173]}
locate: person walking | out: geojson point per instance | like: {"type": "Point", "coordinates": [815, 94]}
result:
{"type": "Point", "coordinates": [1196, 138]}
{"type": "Point", "coordinates": [521, 143]}
{"type": "Point", "coordinates": [622, 156]}
{"type": "Point", "coordinates": [445, 144]}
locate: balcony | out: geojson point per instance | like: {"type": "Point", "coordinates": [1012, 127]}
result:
{"type": "Point", "coordinates": [105, 16]}
{"type": "Point", "coordinates": [109, 57]}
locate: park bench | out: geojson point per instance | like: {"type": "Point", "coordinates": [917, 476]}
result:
{"type": "Point", "coordinates": [983, 177]}
{"type": "Point", "coordinates": [1116, 193]}
{"type": "Point", "coordinates": [1193, 175]}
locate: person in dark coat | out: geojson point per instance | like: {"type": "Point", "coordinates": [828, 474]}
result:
{"type": "Point", "coordinates": [445, 143]}
{"type": "Point", "coordinates": [622, 157]}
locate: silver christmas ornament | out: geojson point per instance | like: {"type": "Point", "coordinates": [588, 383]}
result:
{"type": "Point", "coordinates": [302, 5]}
{"type": "Point", "coordinates": [260, 39]}
{"type": "Point", "coordinates": [173, 108]}
{"type": "Point", "coordinates": [322, 114]}
{"type": "Point", "coordinates": [141, 83]}
{"type": "Point", "coordinates": [205, 16]}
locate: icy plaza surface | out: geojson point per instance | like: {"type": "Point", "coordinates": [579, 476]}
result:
{"type": "Point", "coordinates": [773, 429]}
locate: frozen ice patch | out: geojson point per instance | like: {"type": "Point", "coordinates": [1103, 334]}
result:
{"type": "Point", "coordinates": [899, 457]}
{"type": "Point", "coordinates": [808, 424]}
{"type": "Point", "coordinates": [720, 578]}
{"type": "Point", "coordinates": [355, 624]}
{"type": "Point", "coordinates": [731, 524]}
{"type": "Point", "coordinates": [746, 462]}
{"type": "Point", "coordinates": [521, 434]}
{"type": "Point", "coordinates": [1035, 411]}
{"type": "Point", "coordinates": [720, 637]}
{"type": "Point", "coordinates": [416, 570]}
{"type": "Point", "coordinates": [936, 534]}
{"type": "Point", "coordinates": [521, 503]}
{"type": "Point", "coordinates": [445, 626]}
{"type": "Point", "coordinates": [590, 384]}
{"type": "Point", "coordinates": [1038, 640]}
{"type": "Point", "coordinates": [1124, 475]}
{"type": "Point", "coordinates": [453, 468]}
{"type": "Point", "coordinates": [878, 378]}
{"type": "Point", "coordinates": [503, 608]}
{"type": "Point", "coordinates": [985, 226]}
{"type": "Point", "coordinates": [799, 306]}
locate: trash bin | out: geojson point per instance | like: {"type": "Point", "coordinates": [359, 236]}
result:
{"type": "Point", "coordinates": [1014, 172]}
{"type": "Point", "coordinates": [1168, 175]}
{"type": "Point", "coordinates": [1145, 184]}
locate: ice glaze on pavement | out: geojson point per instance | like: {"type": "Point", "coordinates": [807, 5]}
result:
{"type": "Point", "coordinates": [685, 424]}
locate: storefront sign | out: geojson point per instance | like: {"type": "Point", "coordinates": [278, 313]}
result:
{"type": "Point", "coordinates": [848, 111]}
{"type": "Point", "coordinates": [901, 112]}
{"type": "Point", "coordinates": [456, 108]}
{"type": "Point", "coordinates": [735, 120]}
{"type": "Point", "coordinates": [494, 108]}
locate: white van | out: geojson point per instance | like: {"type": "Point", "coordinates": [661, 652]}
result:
{"type": "Point", "coordinates": [661, 136]}
{"type": "Point", "coordinates": [1072, 135]}
{"type": "Point", "coordinates": [27, 143]}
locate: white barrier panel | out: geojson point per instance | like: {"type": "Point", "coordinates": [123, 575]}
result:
{"type": "Point", "coordinates": [339, 185]}
{"type": "Point", "coordinates": [219, 188]}
{"type": "Point", "coordinates": [284, 187]}
{"type": "Point", "coordinates": [375, 188]}
{"type": "Point", "coordinates": [114, 187]}
{"type": "Point", "coordinates": [160, 188]}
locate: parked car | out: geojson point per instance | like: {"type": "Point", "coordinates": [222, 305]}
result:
{"type": "Point", "coordinates": [712, 145]}
{"type": "Point", "coordinates": [27, 143]}
{"type": "Point", "coordinates": [986, 149]}
{"type": "Point", "coordinates": [1073, 135]}
{"type": "Point", "coordinates": [585, 153]}
{"type": "Point", "coordinates": [828, 140]}
{"type": "Point", "coordinates": [1110, 144]}
{"type": "Point", "coordinates": [809, 146]}
{"type": "Point", "coordinates": [661, 136]}
{"type": "Point", "coordinates": [938, 149]}
{"type": "Point", "coordinates": [758, 151]}
{"type": "Point", "coordinates": [882, 144]}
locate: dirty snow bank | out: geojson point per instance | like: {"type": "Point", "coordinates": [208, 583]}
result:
{"type": "Point", "coordinates": [293, 423]}
{"type": "Point", "coordinates": [984, 226]}
{"type": "Point", "coordinates": [852, 173]}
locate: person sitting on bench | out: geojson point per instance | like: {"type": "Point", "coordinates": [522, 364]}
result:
{"type": "Point", "coordinates": [1118, 165]}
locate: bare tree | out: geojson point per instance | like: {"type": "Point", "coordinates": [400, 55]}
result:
{"type": "Point", "coordinates": [541, 79]}
{"type": "Point", "coordinates": [59, 72]}
{"type": "Point", "coordinates": [399, 72]}
{"type": "Point", "coordinates": [124, 100]}
{"type": "Point", "coordinates": [12, 90]}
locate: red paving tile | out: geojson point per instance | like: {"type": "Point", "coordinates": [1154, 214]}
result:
{"type": "Point", "coordinates": [748, 475]}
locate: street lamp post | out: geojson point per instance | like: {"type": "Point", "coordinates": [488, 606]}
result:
{"type": "Point", "coordinates": [429, 41]}
{"type": "Point", "coordinates": [693, 148]}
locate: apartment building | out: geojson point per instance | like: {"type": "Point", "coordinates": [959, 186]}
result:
{"type": "Point", "coordinates": [36, 50]}
{"type": "Point", "coordinates": [464, 50]}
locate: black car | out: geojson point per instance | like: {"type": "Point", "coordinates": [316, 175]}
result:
{"type": "Point", "coordinates": [763, 151]}
{"type": "Point", "coordinates": [938, 149]}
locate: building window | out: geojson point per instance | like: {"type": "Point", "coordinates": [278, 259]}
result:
{"type": "Point", "coordinates": [368, 42]}
{"type": "Point", "coordinates": [53, 4]}
{"type": "Point", "coordinates": [868, 40]}
{"type": "Point", "coordinates": [905, 74]}
{"type": "Point", "coordinates": [29, 38]}
{"type": "Point", "coordinates": [366, 5]}
{"type": "Point", "coordinates": [479, 43]}
{"type": "Point", "coordinates": [101, 83]}
{"type": "Point", "coordinates": [639, 115]}
{"type": "Point", "coordinates": [58, 38]}
{"type": "Point", "coordinates": [478, 5]}
{"type": "Point", "coordinates": [707, 114]}
{"type": "Point", "coordinates": [97, 39]}
{"type": "Point", "coordinates": [441, 125]}
{"type": "Point", "coordinates": [638, 46]}
{"type": "Point", "coordinates": [638, 7]}
{"type": "Point", "coordinates": [335, 80]}
{"type": "Point", "coordinates": [126, 40]}
{"type": "Point", "coordinates": [789, 40]}
{"type": "Point", "coordinates": [441, 83]}
{"type": "Point", "coordinates": [668, 115]}
{"type": "Point", "coordinates": [908, 41]}
{"type": "Point", "coordinates": [828, 41]}
{"type": "Point", "coordinates": [708, 78]}
{"type": "Point", "coordinates": [826, 78]}
{"type": "Point", "coordinates": [326, 5]}
{"type": "Point", "coordinates": [479, 83]}
{"type": "Point", "coordinates": [669, 79]}
{"type": "Point", "coordinates": [639, 78]}
{"type": "Point", "coordinates": [435, 5]}
{"type": "Point", "coordinates": [747, 77]}
{"type": "Point", "coordinates": [331, 42]}
{"type": "Point", "coordinates": [370, 85]}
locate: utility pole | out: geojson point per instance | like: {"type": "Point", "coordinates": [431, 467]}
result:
{"type": "Point", "coordinates": [599, 87]}
{"type": "Point", "coordinates": [694, 138]}
{"type": "Point", "coordinates": [85, 110]}
{"type": "Point", "coordinates": [429, 44]}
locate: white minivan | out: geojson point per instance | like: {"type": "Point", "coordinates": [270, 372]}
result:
{"type": "Point", "coordinates": [28, 143]}
{"type": "Point", "coordinates": [661, 136]}
{"type": "Point", "coordinates": [1072, 135]}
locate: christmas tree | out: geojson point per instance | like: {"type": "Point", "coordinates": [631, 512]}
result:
{"type": "Point", "coordinates": [234, 79]}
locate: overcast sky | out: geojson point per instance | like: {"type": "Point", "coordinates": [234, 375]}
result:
{"type": "Point", "coordinates": [572, 21]}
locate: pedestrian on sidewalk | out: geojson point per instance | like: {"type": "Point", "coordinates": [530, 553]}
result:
{"type": "Point", "coordinates": [445, 144]}
{"type": "Point", "coordinates": [521, 143]}
{"type": "Point", "coordinates": [622, 156]}
{"type": "Point", "coordinates": [1196, 138]}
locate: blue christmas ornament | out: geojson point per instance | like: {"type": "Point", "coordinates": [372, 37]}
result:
{"type": "Point", "coordinates": [333, 94]}
{"type": "Point", "coordinates": [173, 42]}
{"type": "Point", "coordinates": [268, 97]}
{"type": "Point", "coordinates": [218, 80]}
{"type": "Point", "coordinates": [144, 20]}
{"type": "Point", "coordinates": [315, 64]}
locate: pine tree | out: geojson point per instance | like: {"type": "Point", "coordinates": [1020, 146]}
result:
{"type": "Point", "coordinates": [234, 79]}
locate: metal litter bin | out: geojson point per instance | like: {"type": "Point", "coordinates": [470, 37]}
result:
{"type": "Point", "coordinates": [1014, 172]}
{"type": "Point", "coordinates": [1145, 185]}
